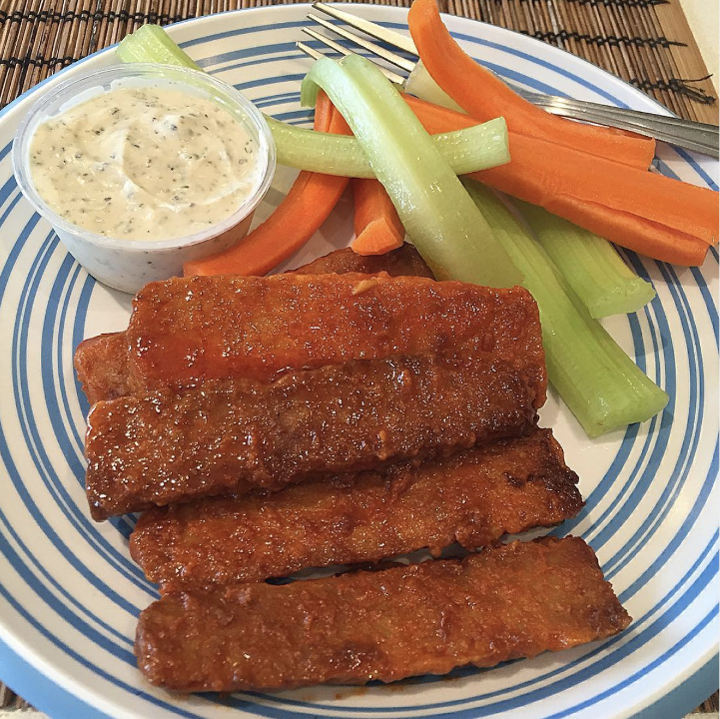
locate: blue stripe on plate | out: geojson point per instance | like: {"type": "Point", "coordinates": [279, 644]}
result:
{"type": "Point", "coordinates": [71, 510]}
{"type": "Point", "coordinates": [695, 413]}
{"type": "Point", "coordinates": [24, 679]}
{"type": "Point", "coordinates": [78, 334]}
{"type": "Point", "coordinates": [702, 174]}
{"type": "Point", "coordinates": [666, 376]}
{"type": "Point", "coordinates": [77, 439]}
{"type": "Point", "coordinates": [120, 560]}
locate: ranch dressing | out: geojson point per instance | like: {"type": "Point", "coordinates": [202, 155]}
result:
{"type": "Point", "coordinates": [144, 163]}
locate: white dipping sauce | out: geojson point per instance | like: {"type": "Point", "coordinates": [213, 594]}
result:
{"type": "Point", "coordinates": [144, 164]}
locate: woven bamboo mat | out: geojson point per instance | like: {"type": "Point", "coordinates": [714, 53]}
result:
{"type": "Point", "coordinates": [646, 42]}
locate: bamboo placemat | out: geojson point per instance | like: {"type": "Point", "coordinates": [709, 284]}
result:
{"type": "Point", "coordinates": [646, 42]}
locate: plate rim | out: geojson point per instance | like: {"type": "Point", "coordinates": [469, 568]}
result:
{"type": "Point", "coordinates": [703, 672]}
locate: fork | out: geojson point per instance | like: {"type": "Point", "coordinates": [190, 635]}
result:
{"type": "Point", "coordinates": [689, 135]}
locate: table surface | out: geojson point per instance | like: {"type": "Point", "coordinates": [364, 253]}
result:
{"type": "Point", "coordinates": [23, 63]}
{"type": "Point", "coordinates": [704, 18]}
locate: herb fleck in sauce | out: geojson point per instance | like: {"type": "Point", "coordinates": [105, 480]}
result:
{"type": "Point", "coordinates": [144, 163]}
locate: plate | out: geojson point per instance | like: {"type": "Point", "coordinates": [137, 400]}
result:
{"type": "Point", "coordinates": [70, 594]}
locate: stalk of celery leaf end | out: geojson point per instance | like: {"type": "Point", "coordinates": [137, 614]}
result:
{"type": "Point", "coordinates": [469, 150]}
{"type": "Point", "coordinates": [601, 385]}
{"type": "Point", "coordinates": [445, 225]}
{"type": "Point", "coordinates": [590, 264]}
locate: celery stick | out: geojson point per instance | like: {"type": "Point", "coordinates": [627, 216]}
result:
{"type": "Point", "coordinates": [590, 264]}
{"type": "Point", "coordinates": [485, 144]}
{"type": "Point", "coordinates": [443, 222]}
{"type": "Point", "coordinates": [151, 43]}
{"type": "Point", "coordinates": [475, 148]}
{"type": "Point", "coordinates": [600, 384]}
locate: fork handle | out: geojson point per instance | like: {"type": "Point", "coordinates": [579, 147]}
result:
{"type": "Point", "coordinates": [694, 136]}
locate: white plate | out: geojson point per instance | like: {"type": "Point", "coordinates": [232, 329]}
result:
{"type": "Point", "coordinates": [70, 595]}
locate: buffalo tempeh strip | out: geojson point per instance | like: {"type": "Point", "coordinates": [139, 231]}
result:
{"type": "Point", "coordinates": [514, 601]}
{"type": "Point", "coordinates": [474, 498]}
{"type": "Point", "coordinates": [163, 447]}
{"type": "Point", "coordinates": [188, 330]}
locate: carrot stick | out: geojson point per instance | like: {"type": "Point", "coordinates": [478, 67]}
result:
{"type": "Point", "coordinates": [326, 115]}
{"type": "Point", "coordinates": [484, 96]}
{"type": "Point", "coordinates": [377, 238]}
{"type": "Point", "coordinates": [371, 203]}
{"type": "Point", "coordinates": [645, 212]}
{"type": "Point", "coordinates": [558, 171]}
{"type": "Point", "coordinates": [631, 232]}
{"type": "Point", "coordinates": [296, 219]}
{"type": "Point", "coordinates": [378, 229]}
{"type": "Point", "coordinates": [377, 226]}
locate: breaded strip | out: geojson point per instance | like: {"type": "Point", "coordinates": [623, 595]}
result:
{"type": "Point", "coordinates": [101, 362]}
{"type": "Point", "coordinates": [239, 435]}
{"type": "Point", "coordinates": [505, 603]}
{"type": "Point", "coordinates": [403, 262]}
{"type": "Point", "coordinates": [473, 497]}
{"type": "Point", "coordinates": [193, 329]}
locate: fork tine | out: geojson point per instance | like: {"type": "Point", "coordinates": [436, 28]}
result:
{"type": "Point", "coordinates": [391, 57]}
{"type": "Point", "coordinates": [327, 41]}
{"type": "Point", "coordinates": [313, 53]}
{"type": "Point", "coordinates": [402, 42]}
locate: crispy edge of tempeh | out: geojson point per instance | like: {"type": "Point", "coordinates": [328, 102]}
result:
{"type": "Point", "coordinates": [237, 436]}
{"type": "Point", "coordinates": [474, 498]}
{"type": "Point", "coordinates": [101, 362]}
{"type": "Point", "coordinates": [514, 601]}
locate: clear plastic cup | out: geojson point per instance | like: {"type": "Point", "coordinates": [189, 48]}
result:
{"type": "Point", "coordinates": [123, 264]}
